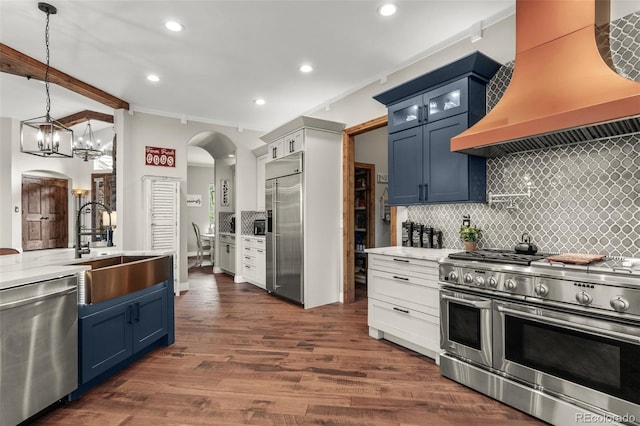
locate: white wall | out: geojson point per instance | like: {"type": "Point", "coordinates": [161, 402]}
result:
{"type": "Point", "coordinates": [371, 147]}
{"type": "Point", "coordinates": [198, 180]}
{"type": "Point", "coordinates": [498, 42]}
{"type": "Point", "coordinates": [7, 133]}
{"type": "Point", "coordinates": [138, 130]}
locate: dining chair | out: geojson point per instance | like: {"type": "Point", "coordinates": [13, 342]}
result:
{"type": "Point", "coordinates": [202, 246]}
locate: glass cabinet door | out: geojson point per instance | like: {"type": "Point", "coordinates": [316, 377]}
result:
{"type": "Point", "coordinates": [447, 100]}
{"type": "Point", "coordinates": [405, 114]}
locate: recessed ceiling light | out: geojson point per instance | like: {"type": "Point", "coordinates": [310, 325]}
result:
{"type": "Point", "coordinates": [230, 155]}
{"type": "Point", "coordinates": [153, 77]}
{"type": "Point", "coordinates": [387, 9]}
{"type": "Point", "coordinates": [306, 68]}
{"type": "Point", "coordinates": [259, 101]}
{"type": "Point", "coordinates": [174, 26]}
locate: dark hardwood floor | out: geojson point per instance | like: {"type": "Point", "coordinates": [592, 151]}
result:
{"type": "Point", "coordinates": [244, 357]}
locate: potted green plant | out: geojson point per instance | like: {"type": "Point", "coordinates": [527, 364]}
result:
{"type": "Point", "coordinates": [470, 235]}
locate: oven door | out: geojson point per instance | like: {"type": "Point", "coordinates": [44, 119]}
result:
{"type": "Point", "coordinates": [585, 358]}
{"type": "Point", "coordinates": [465, 326]}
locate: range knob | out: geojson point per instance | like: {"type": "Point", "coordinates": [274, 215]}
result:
{"type": "Point", "coordinates": [468, 279]}
{"type": "Point", "coordinates": [493, 282]}
{"type": "Point", "coordinates": [541, 290]}
{"type": "Point", "coordinates": [584, 298]}
{"type": "Point", "coordinates": [479, 281]}
{"type": "Point", "coordinates": [619, 304]}
{"type": "Point", "coordinates": [453, 276]}
{"type": "Point", "coordinates": [510, 285]}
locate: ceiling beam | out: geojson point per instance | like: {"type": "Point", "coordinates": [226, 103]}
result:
{"type": "Point", "coordinates": [17, 63]}
{"type": "Point", "coordinates": [82, 116]}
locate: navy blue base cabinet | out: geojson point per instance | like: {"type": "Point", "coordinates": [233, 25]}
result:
{"type": "Point", "coordinates": [423, 115]}
{"type": "Point", "coordinates": [117, 332]}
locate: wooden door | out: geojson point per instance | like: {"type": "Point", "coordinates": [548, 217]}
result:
{"type": "Point", "coordinates": [44, 213]}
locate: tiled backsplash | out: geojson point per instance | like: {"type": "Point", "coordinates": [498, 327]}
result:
{"type": "Point", "coordinates": [224, 221]}
{"type": "Point", "coordinates": [585, 198]}
{"type": "Point", "coordinates": [247, 221]}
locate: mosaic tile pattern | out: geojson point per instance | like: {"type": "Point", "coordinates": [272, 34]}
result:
{"type": "Point", "coordinates": [585, 198]}
{"type": "Point", "coordinates": [224, 221]}
{"type": "Point", "coordinates": [247, 218]}
{"type": "Point", "coordinates": [625, 46]}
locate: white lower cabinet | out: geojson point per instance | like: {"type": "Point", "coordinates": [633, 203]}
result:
{"type": "Point", "coordinates": [404, 303]}
{"type": "Point", "coordinates": [227, 254]}
{"type": "Point", "coordinates": [254, 258]}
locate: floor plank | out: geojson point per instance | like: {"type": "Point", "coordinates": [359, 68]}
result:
{"type": "Point", "coordinates": [244, 357]}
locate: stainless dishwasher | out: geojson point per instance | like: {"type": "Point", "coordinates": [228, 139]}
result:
{"type": "Point", "coordinates": [38, 346]}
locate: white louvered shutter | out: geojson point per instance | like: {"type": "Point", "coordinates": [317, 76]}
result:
{"type": "Point", "coordinates": [164, 220]}
{"type": "Point", "coordinates": [162, 230]}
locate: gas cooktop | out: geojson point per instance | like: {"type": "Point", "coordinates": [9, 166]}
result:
{"type": "Point", "coordinates": [498, 256]}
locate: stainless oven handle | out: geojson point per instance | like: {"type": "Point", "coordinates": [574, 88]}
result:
{"type": "Point", "coordinates": [603, 333]}
{"type": "Point", "coordinates": [475, 304]}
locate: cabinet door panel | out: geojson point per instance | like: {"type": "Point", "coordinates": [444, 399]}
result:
{"type": "Point", "coordinates": [149, 318]}
{"type": "Point", "coordinates": [105, 340]}
{"type": "Point", "coordinates": [405, 167]}
{"type": "Point", "coordinates": [405, 114]}
{"type": "Point", "coordinates": [446, 172]}
{"type": "Point", "coordinates": [447, 101]}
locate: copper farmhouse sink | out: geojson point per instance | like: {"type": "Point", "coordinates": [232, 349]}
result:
{"type": "Point", "coordinates": [120, 275]}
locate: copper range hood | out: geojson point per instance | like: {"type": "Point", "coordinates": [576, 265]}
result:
{"type": "Point", "coordinates": [564, 88]}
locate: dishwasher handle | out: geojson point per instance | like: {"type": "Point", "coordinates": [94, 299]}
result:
{"type": "Point", "coordinates": [35, 299]}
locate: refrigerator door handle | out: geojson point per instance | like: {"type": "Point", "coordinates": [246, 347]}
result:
{"type": "Point", "coordinates": [274, 257]}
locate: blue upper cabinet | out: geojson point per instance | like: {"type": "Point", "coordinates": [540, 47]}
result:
{"type": "Point", "coordinates": [423, 115]}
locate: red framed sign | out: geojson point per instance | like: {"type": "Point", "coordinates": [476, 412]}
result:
{"type": "Point", "coordinates": [163, 157]}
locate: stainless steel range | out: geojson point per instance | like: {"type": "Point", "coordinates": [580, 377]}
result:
{"type": "Point", "coordinates": [558, 341]}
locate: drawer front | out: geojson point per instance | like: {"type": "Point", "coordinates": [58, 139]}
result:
{"type": "Point", "coordinates": [426, 269]}
{"type": "Point", "coordinates": [226, 239]}
{"type": "Point", "coordinates": [416, 327]}
{"type": "Point", "coordinates": [416, 293]}
{"type": "Point", "coordinates": [248, 271]}
{"type": "Point", "coordinates": [253, 242]}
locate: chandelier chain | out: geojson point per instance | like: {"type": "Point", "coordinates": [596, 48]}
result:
{"type": "Point", "coordinates": [46, 73]}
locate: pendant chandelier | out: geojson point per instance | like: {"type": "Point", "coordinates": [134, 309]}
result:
{"type": "Point", "coordinates": [87, 146]}
{"type": "Point", "coordinates": [42, 136]}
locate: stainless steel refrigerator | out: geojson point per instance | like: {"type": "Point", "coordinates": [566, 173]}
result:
{"type": "Point", "coordinates": [284, 236]}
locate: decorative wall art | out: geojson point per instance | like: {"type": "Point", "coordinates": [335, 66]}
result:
{"type": "Point", "coordinates": [162, 157]}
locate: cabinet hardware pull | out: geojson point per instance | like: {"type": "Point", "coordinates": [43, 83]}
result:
{"type": "Point", "coordinates": [401, 260]}
{"type": "Point", "coordinates": [400, 278]}
{"type": "Point", "coordinates": [480, 304]}
{"type": "Point", "coordinates": [420, 192]}
{"type": "Point", "coordinates": [425, 197]}
{"type": "Point", "coordinates": [404, 311]}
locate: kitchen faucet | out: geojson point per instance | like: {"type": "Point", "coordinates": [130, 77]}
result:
{"type": "Point", "coordinates": [108, 230]}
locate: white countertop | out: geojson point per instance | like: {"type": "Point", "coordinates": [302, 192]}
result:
{"type": "Point", "coordinates": [260, 237]}
{"type": "Point", "coordinates": [412, 252]}
{"type": "Point", "coordinates": [40, 265]}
